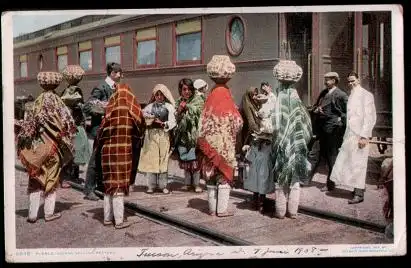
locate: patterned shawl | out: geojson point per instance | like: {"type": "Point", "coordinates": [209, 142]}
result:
{"type": "Point", "coordinates": [220, 123]}
{"type": "Point", "coordinates": [119, 131]}
{"type": "Point", "coordinates": [293, 135]}
{"type": "Point", "coordinates": [50, 119]}
{"type": "Point", "coordinates": [186, 132]}
{"type": "Point", "coordinates": [249, 110]}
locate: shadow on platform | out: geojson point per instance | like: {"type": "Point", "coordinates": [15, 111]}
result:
{"type": "Point", "coordinates": [98, 214]}
{"type": "Point", "coordinates": [60, 207]}
{"type": "Point", "coordinates": [199, 204]}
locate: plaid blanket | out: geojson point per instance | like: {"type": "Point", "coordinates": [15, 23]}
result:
{"type": "Point", "coordinates": [119, 132]}
{"type": "Point", "coordinates": [294, 131]}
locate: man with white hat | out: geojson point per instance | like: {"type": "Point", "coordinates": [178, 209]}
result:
{"type": "Point", "coordinates": [331, 113]}
{"type": "Point", "coordinates": [201, 86]}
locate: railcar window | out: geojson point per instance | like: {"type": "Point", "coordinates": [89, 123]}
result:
{"type": "Point", "coordinates": [235, 36]}
{"type": "Point", "coordinates": [146, 46]}
{"type": "Point", "coordinates": [62, 58]}
{"type": "Point", "coordinates": [85, 55]}
{"type": "Point", "coordinates": [113, 54]}
{"type": "Point", "coordinates": [188, 41]}
{"type": "Point", "coordinates": [23, 66]}
{"type": "Point", "coordinates": [113, 49]}
{"type": "Point", "coordinates": [189, 47]}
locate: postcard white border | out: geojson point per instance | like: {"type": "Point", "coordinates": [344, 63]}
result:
{"type": "Point", "coordinates": [181, 253]}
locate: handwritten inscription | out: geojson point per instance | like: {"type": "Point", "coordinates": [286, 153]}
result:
{"type": "Point", "coordinates": [264, 252]}
{"type": "Point", "coordinates": [199, 253]}
{"type": "Point", "coordinates": [145, 252]}
{"type": "Point", "coordinates": [310, 251]}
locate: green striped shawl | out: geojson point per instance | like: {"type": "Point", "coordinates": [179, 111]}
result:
{"type": "Point", "coordinates": [294, 131]}
{"type": "Point", "coordinates": [186, 132]}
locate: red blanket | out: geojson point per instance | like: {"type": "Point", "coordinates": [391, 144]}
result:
{"type": "Point", "coordinates": [219, 124]}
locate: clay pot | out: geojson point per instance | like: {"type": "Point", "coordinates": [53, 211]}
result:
{"type": "Point", "coordinates": [287, 71]}
{"type": "Point", "coordinates": [73, 74]}
{"type": "Point", "coordinates": [49, 80]}
{"type": "Point", "coordinates": [220, 69]}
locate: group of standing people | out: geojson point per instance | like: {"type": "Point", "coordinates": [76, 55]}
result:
{"type": "Point", "coordinates": [343, 125]}
{"type": "Point", "coordinates": [202, 130]}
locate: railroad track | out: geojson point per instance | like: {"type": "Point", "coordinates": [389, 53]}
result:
{"type": "Point", "coordinates": [223, 239]}
{"type": "Point", "coordinates": [210, 235]}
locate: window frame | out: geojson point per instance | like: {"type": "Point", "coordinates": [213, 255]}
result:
{"type": "Point", "coordinates": [27, 66]}
{"type": "Point", "coordinates": [228, 36]}
{"type": "Point", "coordinates": [40, 62]}
{"type": "Point", "coordinates": [85, 50]}
{"type": "Point", "coordinates": [136, 65]}
{"type": "Point", "coordinates": [174, 45]}
{"type": "Point", "coordinates": [119, 44]}
{"type": "Point", "coordinates": [64, 54]}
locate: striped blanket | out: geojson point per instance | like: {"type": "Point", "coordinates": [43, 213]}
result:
{"type": "Point", "coordinates": [118, 134]}
{"type": "Point", "coordinates": [294, 131]}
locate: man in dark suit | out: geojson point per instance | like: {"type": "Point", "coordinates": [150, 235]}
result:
{"type": "Point", "coordinates": [102, 92]}
{"type": "Point", "coordinates": [330, 123]}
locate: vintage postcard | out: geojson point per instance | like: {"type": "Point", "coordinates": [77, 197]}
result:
{"type": "Point", "coordinates": [204, 133]}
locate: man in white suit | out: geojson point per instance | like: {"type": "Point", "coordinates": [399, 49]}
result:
{"type": "Point", "coordinates": [350, 168]}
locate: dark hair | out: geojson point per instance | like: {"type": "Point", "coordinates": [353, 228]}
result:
{"type": "Point", "coordinates": [188, 82]}
{"type": "Point", "coordinates": [113, 67]}
{"type": "Point", "coordinates": [30, 97]}
{"type": "Point", "coordinates": [353, 74]}
{"type": "Point", "coordinates": [264, 83]}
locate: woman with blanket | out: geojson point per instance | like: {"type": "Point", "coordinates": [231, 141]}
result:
{"type": "Point", "coordinates": [160, 120]}
{"type": "Point", "coordinates": [117, 138]}
{"type": "Point", "coordinates": [258, 148]}
{"type": "Point", "coordinates": [72, 96]}
{"type": "Point", "coordinates": [189, 107]}
{"type": "Point", "coordinates": [293, 133]}
{"type": "Point", "coordinates": [45, 145]}
{"type": "Point", "coordinates": [220, 123]}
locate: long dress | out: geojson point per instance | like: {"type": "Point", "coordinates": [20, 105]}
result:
{"type": "Point", "coordinates": [155, 152]}
{"type": "Point", "coordinates": [350, 168]}
{"type": "Point", "coordinates": [258, 177]}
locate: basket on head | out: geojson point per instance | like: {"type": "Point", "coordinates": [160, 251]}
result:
{"type": "Point", "coordinates": [49, 80]}
{"type": "Point", "coordinates": [220, 69]}
{"type": "Point", "coordinates": [287, 71]}
{"type": "Point", "coordinates": [73, 74]}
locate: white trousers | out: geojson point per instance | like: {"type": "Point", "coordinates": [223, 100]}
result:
{"type": "Point", "coordinates": [35, 200]}
{"type": "Point", "coordinates": [287, 199]}
{"type": "Point", "coordinates": [114, 207]}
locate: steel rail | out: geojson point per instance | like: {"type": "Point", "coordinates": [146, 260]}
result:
{"type": "Point", "coordinates": [182, 225]}
{"type": "Point", "coordinates": [327, 215]}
